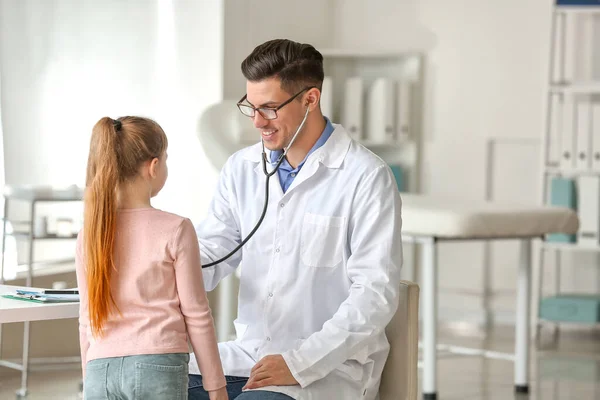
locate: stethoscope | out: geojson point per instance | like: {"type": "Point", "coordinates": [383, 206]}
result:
{"type": "Point", "coordinates": [268, 176]}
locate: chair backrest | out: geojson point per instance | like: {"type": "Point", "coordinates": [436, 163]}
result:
{"type": "Point", "coordinates": [399, 378]}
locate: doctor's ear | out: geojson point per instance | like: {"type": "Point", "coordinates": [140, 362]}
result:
{"type": "Point", "coordinates": [312, 98]}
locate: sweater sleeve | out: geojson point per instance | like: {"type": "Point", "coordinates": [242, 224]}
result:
{"type": "Point", "coordinates": [194, 306]}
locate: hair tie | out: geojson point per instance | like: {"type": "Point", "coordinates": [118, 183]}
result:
{"type": "Point", "coordinates": [117, 124]}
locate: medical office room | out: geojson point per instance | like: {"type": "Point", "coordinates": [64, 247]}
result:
{"type": "Point", "coordinates": [485, 114]}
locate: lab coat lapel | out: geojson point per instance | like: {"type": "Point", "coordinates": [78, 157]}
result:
{"type": "Point", "coordinates": [275, 191]}
{"type": "Point", "coordinates": [306, 172]}
{"type": "Point", "coordinates": [330, 155]}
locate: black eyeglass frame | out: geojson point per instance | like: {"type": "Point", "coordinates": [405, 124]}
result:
{"type": "Point", "coordinates": [262, 110]}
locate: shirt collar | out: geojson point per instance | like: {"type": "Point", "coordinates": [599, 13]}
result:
{"type": "Point", "coordinates": [329, 128]}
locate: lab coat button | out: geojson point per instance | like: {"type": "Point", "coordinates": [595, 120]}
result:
{"type": "Point", "coordinates": [270, 294]}
{"type": "Point", "coordinates": [282, 205]}
{"type": "Point", "coordinates": [277, 250]}
{"type": "Point", "coordinates": [268, 339]}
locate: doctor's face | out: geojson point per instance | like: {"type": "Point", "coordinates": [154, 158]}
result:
{"type": "Point", "coordinates": [276, 133]}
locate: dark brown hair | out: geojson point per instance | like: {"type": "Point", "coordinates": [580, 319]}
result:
{"type": "Point", "coordinates": [297, 65]}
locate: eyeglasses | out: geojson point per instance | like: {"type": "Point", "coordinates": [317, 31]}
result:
{"type": "Point", "coordinates": [267, 112]}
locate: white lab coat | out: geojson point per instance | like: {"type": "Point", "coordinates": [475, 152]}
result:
{"type": "Point", "coordinates": [320, 278]}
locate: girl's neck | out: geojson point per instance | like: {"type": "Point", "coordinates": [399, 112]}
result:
{"type": "Point", "coordinates": [135, 194]}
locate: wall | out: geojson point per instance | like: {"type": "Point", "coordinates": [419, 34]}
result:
{"type": "Point", "coordinates": [385, 24]}
{"type": "Point", "coordinates": [248, 24]}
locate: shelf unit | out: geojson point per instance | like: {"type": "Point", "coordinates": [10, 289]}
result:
{"type": "Point", "coordinates": [33, 195]}
{"type": "Point", "coordinates": [404, 64]}
{"type": "Point", "coordinates": [572, 132]}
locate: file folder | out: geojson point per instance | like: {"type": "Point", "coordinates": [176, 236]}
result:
{"type": "Point", "coordinates": [562, 193]}
{"type": "Point", "coordinates": [583, 135]}
{"type": "Point", "coordinates": [589, 210]}
{"type": "Point", "coordinates": [403, 98]}
{"type": "Point", "coordinates": [353, 107]}
{"type": "Point", "coordinates": [380, 112]}
{"type": "Point", "coordinates": [327, 98]}
{"type": "Point", "coordinates": [595, 153]}
{"type": "Point", "coordinates": [567, 132]}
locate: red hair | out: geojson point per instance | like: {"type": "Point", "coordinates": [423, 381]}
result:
{"type": "Point", "coordinates": [117, 150]}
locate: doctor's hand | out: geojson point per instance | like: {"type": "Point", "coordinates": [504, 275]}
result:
{"type": "Point", "coordinates": [270, 371]}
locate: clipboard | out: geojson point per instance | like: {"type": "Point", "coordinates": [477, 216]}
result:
{"type": "Point", "coordinates": [47, 291]}
{"type": "Point", "coordinates": [37, 299]}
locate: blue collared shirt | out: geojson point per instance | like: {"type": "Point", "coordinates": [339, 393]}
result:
{"type": "Point", "coordinates": [286, 173]}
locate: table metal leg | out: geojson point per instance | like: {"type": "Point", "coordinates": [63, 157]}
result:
{"type": "Point", "coordinates": [523, 317]}
{"type": "Point", "coordinates": [429, 301]}
{"type": "Point", "coordinates": [27, 325]}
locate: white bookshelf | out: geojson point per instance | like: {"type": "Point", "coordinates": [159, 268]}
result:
{"type": "Point", "coordinates": [571, 140]}
{"type": "Point", "coordinates": [574, 80]}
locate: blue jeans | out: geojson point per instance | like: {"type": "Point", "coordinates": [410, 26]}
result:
{"type": "Point", "coordinates": [234, 390]}
{"type": "Point", "coordinates": [147, 377]}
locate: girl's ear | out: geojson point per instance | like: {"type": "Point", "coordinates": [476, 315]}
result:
{"type": "Point", "coordinates": [153, 168]}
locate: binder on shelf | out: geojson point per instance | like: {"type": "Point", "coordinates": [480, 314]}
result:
{"type": "Point", "coordinates": [353, 107]}
{"type": "Point", "coordinates": [567, 139]}
{"type": "Point", "coordinates": [399, 175]}
{"type": "Point", "coordinates": [327, 98]}
{"type": "Point", "coordinates": [595, 154]}
{"type": "Point", "coordinates": [553, 156]}
{"type": "Point", "coordinates": [403, 99]}
{"type": "Point", "coordinates": [589, 210]}
{"type": "Point", "coordinates": [583, 47]}
{"type": "Point", "coordinates": [583, 134]}
{"type": "Point", "coordinates": [380, 112]}
{"type": "Point", "coordinates": [562, 193]}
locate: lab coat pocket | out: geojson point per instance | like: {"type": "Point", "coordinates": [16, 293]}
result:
{"type": "Point", "coordinates": [240, 329]}
{"type": "Point", "coordinates": [352, 369]}
{"type": "Point", "coordinates": [322, 240]}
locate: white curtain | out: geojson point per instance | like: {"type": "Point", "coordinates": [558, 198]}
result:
{"type": "Point", "coordinates": [10, 250]}
{"type": "Point", "coordinates": [66, 63]}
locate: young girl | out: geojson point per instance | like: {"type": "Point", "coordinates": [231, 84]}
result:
{"type": "Point", "coordinates": [139, 275]}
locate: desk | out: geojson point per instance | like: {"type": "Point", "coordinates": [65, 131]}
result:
{"type": "Point", "coordinates": [427, 220]}
{"type": "Point", "coordinates": [26, 311]}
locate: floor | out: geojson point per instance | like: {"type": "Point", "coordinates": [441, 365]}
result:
{"type": "Point", "coordinates": [568, 368]}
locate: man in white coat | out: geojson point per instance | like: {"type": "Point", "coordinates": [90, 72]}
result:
{"type": "Point", "coordinates": [320, 278]}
